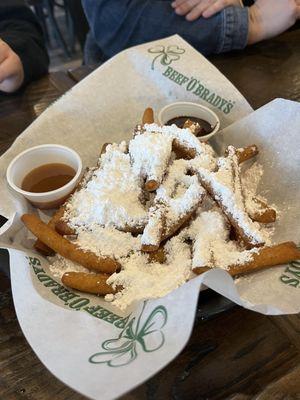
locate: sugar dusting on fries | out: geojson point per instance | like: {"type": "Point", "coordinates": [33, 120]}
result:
{"type": "Point", "coordinates": [197, 212]}
{"type": "Point", "coordinates": [150, 154]}
{"type": "Point", "coordinates": [110, 197]}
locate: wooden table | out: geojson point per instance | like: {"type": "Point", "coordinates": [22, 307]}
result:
{"type": "Point", "coordinates": [235, 355]}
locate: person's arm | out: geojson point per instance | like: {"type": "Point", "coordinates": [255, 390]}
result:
{"type": "Point", "coordinates": [119, 24]}
{"type": "Point", "coordinates": [269, 18]}
{"type": "Point", "coordinates": [21, 32]}
{"type": "Point", "coordinates": [194, 9]}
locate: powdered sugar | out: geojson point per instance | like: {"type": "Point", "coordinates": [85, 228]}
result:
{"type": "Point", "coordinates": [150, 153]}
{"type": "Point", "coordinates": [226, 185]}
{"type": "Point", "coordinates": [183, 200]}
{"type": "Point", "coordinates": [108, 242]}
{"type": "Point", "coordinates": [142, 280]}
{"type": "Point", "coordinates": [208, 228]}
{"type": "Point", "coordinates": [211, 244]}
{"type": "Point", "coordinates": [229, 253]}
{"type": "Point", "coordinates": [154, 228]}
{"type": "Point", "coordinates": [60, 265]}
{"type": "Point", "coordinates": [111, 197]}
{"type": "Point", "coordinates": [184, 137]}
{"type": "Point", "coordinates": [171, 205]}
{"type": "Point", "coordinates": [251, 179]}
{"type": "Point", "coordinates": [112, 203]}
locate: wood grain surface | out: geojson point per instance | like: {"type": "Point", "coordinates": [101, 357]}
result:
{"type": "Point", "coordinates": [235, 355]}
{"type": "Point", "coordinates": [17, 111]}
{"type": "Point", "coordinates": [266, 70]}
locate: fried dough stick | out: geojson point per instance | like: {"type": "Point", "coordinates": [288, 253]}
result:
{"type": "Point", "coordinates": [149, 169]}
{"type": "Point", "coordinates": [244, 153]}
{"type": "Point", "coordinates": [243, 236]}
{"type": "Point", "coordinates": [61, 226]}
{"type": "Point", "coordinates": [67, 249]}
{"type": "Point", "coordinates": [56, 222]}
{"type": "Point", "coordinates": [88, 283]}
{"type": "Point", "coordinates": [265, 214]}
{"type": "Point", "coordinates": [151, 185]}
{"type": "Point", "coordinates": [266, 257]}
{"type": "Point", "coordinates": [164, 230]}
{"type": "Point", "coordinates": [39, 245]}
{"type": "Point", "coordinates": [157, 256]}
{"type": "Point", "coordinates": [183, 151]}
{"type": "Point", "coordinates": [153, 232]}
{"type": "Point", "coordinates": [148, 116]}
{"type": "Point", "coordinates": [169, 231]}
{"type": "Point", "coordinates": [172, 211]}
{"type": "Point", "coordinates": [230, 165]}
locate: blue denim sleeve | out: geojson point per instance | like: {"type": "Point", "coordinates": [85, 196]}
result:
{"type": "Point", "coordinates": [119, 24]}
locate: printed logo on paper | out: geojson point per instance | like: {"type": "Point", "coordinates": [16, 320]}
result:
{"type": "Point", "coordinates": [291, 275]}
{"type": "Point", "coordinates": [75, 301]}
{"type": "Point", "coordinates": [138, 333]}
{"type": "Point", "coordinates": [142, 333]}
{"type": "Point", "coordinates": [193, 84]}
{"type": "Point", "coordinates": [166, 55]}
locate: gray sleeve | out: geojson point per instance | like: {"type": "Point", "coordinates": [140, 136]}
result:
{"type": "Point", "coordinates": [20, 29]}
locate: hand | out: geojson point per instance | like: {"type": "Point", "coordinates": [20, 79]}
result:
{"type": "Point", "coordinates": [11, 69]}
{"type": "Point", "coordinates": [193, 9]}
{"type": "Point", "coordinates": [268, 18]}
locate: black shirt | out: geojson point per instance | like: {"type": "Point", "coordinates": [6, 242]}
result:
{"type": "Point", "coordinates": [20, 29]}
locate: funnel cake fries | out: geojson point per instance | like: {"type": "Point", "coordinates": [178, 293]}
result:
{"type": "Point", "coordinates": [176, 200]}
{"type": "Point", "coordinates": [263, 258]}
{"type": "Point", "coordinates": [66, 248]}
{"type": "Point", "coordinates": [90, 283]}
{"type": "Point", "coordinates": [39, 245]}
{"type": "Point", "coordinates": [261, 212]}
{"type": "Point", "coordinates": [148, 116]}
{"type": "Point", "coordinates": [156, 211]}
{"type": "Point", "coordinates": [151, 148]}
{"type": "Point", "coordinates": [207, 231]}
{"type": "Point", "coordinates": [244, 153]}
{"type": "Point", "coordinates": [150, 154]}
{"type": "Point", "coordinates": [111, 197]}
{"type": "Point", "coordinates": [224, 186]}
{"type": "Point", "coordinates": [59, 223]}
{"type": "Point", "coordinates": [184, 143]}
{"type": "Point", "coordinates": [56, 222]}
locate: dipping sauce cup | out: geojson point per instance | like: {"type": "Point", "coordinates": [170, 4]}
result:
{"type": "Point", "coordinates": [38, 156]}
{"type": "Point", "coordinates": [188, 109]}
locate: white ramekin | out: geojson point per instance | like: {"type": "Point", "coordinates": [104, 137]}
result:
{"type": "Point", "coordinates": [36, 156]}
{"type": "Point", "coordinates": [185, 108]}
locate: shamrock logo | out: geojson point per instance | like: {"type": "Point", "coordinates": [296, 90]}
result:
{"type": "Point", "coordinates": [123, 350]}
{"type": "Point", "coordinates": [167, 55]}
